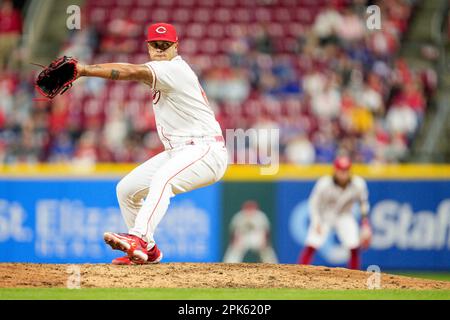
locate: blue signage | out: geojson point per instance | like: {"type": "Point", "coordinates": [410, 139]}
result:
{"type": "Point", "coordinates": [63, 221]}
{"type": "Point", "coordinates": [410, 222]}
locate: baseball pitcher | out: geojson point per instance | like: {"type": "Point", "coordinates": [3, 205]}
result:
{"type": "Point", "coordinates": [195, 153]}
{"type": "Point", "coordinates": [331, 203]}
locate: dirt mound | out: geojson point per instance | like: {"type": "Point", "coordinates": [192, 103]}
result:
{"type": "Point", "coordinates": [202, 275]}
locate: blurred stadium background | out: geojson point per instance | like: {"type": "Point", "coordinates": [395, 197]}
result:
{"type": "Point", "coordinates": [310, 68]}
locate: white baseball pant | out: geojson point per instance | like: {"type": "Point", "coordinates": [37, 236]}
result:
{"type": "Point", "coordinates": [346, 228]}
{"type": "Point", "coordinates": [236, 251]}
{"type": "Point", "coordinates": [144, 194]}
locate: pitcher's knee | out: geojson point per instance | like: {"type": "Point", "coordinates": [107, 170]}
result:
{"type": "Point", "coordinates": [123, 188]}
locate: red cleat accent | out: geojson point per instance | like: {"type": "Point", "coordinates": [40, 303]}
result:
{"type": "Point", "coordinates": [126, 261]}
{"type": "Point", "coordinates": [122, 261]}
{"type": "Point", "coordinates": [154, 255]}
{"type": "Point", "coordinates": [134, 247]}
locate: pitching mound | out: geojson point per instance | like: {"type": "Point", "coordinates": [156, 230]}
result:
{"type": "Point", "coordinates": [202, 275]}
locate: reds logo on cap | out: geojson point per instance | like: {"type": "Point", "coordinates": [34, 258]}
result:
{"type": "Point", "coordinates": [161, 29]}
{"type": "Point", "coordinates": [162, 32]}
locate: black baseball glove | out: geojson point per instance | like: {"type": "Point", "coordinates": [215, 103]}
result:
{"type": "Point", "coordinates": [57, 77]}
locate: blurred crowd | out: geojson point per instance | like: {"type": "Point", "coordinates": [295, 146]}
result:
{"type": "Point", "coordinates": [330, 86]}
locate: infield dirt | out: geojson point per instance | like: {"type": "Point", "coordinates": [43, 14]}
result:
{"type": "Point", "coordinates": [203, 275]}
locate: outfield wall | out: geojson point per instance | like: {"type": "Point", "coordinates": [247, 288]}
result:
{"type": "Point", "coordinates": [58, 213]}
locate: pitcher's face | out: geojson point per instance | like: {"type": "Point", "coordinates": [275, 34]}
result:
{"type": "Point", "coordinates": [162, 50]}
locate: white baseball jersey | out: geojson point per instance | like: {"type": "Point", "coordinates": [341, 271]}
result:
{"type": "Point", "coordinates": [252, 227]}
{"type": "Point", "coordinates": [180, 104]}
{"type": "Point", "coordinates": [251, 230]}
{"type": "Point", "coordinates": [331, 208]}
{"type": "Point", "coordinates": [329, 200]}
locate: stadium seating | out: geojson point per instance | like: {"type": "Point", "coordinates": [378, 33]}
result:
{"type": "Point", "coordinates": [258, 61]}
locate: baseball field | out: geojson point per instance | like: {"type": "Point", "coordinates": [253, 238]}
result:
{"type": "Point", "coordinates": [204, 281]}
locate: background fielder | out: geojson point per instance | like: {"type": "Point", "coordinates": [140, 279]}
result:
{"type": "Point", "coordinates": [250, 230]}
{"type": "Point", "coordinates": [331, 203]}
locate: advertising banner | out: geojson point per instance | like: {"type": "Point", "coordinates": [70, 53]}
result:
{"type": "Point", "coordinates": [410, 221]}
{"type": "Point", "coordinates": [63, 221]}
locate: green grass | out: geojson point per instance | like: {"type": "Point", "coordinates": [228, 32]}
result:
{"type": "Point", "coordinates": [441, 276]}
{"type": "Point", "coordinates": [219, 294]}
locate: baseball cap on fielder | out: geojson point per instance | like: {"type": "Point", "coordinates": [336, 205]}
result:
{"type": "Point", "coordinates": [162, 32]}
{"type": "Point", "coordinates": [342, 163]}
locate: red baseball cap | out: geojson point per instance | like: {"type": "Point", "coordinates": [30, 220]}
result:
{"type": "Point", "coordinates": [162, 32]}
{"type": "Point", "coordinates": [342, 163]}
{"type": "Point", "coordinates": [250, 205]}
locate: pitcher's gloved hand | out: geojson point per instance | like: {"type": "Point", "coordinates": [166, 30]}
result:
{"type": "Point", "coordinates": [57, 77]}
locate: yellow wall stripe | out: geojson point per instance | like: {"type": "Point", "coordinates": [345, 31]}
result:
{"type": "Point", "coordinates": [293, 172]}
{"type": "Point", "coordinates": [65, 170]}
{"type": "Point", "coordinates": [236, 172]}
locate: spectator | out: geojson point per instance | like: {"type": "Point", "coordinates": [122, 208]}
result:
{"type": "Point", "coordinates": [82, 44]}
{"type": "Point", "coordinates": [260, 39]}
{"type": "Point", "coordinates": [314, 82]}
{"type": "Point", "coordinates": [58, 118]}
{"type": "Point", "coordinates": [351, 27]}
{"type": "Point", "coordinates": [325, 147]}
{"type": "Point", "coordinates": [286, 78]}
{"type": "Point", "coordinates": [85, 153]}
{"type": "Point", "coordinates": [382, 44]}
{"type": "Point", "coordinates": [115, 129]}
{"type": "Point", "coordinates": [365, 151]}
{"type": "Point", "coordinates": [227, 84]}
{"type": "Point", "coordinates": [7, 88]}
{"type": "Point", "coordinates": [300, 151]}
{"type": "Point", "coordinates": [327, 104]}
{"type": "Point", "coordinates": [411, 95]}
{"type": "Point", "coordinates": [401, 119]}
{"type": "Point", "coordinates": [26, 148]}
{"type": "Point", "coordinates": [326, 24]}
{"type": "Point", "coordinates": [361, 120]}
{"type": "Point", "coordinates": [397, 148]}
{"type": "Point", "coordinates": [62, 148]}
{"type": "Point", "coordinates": [10, 29]}
{"type": "Point", "coordinates": [372, 100]}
